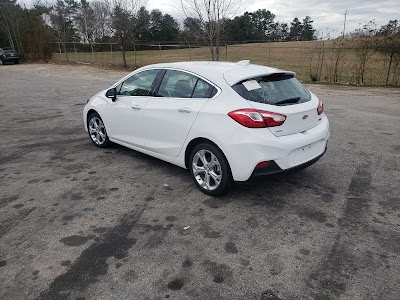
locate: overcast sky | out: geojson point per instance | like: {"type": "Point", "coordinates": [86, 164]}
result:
{"type": "Point", "coordinates": [328, 15]}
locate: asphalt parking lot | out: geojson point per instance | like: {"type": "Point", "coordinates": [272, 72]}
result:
{"type": "Point", "coordinates": [78, 222]}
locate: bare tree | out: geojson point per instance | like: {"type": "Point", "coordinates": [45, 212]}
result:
{"type": "Point", "coordinates": [211, 14]}
{"type": "Point", "coordinates": [85, 21]}
{"type": "Point", "coordinates": [364, 42]}
{"type": "Point", "coordinates": [388, 43]}
{"type": "Point", "coordinates": [62, 18]}
{"type": "Point", "coordinates": [337, 60]}
{"type": "Point", "coordinates": [123, 14]}
{"type": "Point", "coordinates": [316, 61]}
{"type": "Point", "coordinates": [102, 19]}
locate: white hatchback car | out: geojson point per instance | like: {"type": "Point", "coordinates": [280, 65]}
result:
{"type": "Point", "coordinates": [225, 122]}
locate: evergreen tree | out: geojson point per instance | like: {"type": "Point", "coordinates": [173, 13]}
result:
{"type": "Point", "coordinates": [263, 21]}
{"type": "Point", "coordinates": [143, 25]}
{"type": "Point", "coordinates": [308, 31]}
{"type": "Point", "coordinates": [295, 30]}
{"type": "Point", "coordinates": [169, 28]}
{"type": "Point", "coordinates": [192, 30]}
{"type": "Point", "coordinates": [156, 18]}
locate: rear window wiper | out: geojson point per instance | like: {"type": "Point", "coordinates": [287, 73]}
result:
{"type": "Point", "coordinates": [287, 101]}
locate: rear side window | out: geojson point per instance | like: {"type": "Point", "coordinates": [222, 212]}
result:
{"type": "Point", "coordinates": [178, 84]}
{"type": "Point", "coordinates": [202, 89]}
{"type": "Point", "coordinates": [139, 84]}
{"type": "Point", "coordinates": [275, 89]}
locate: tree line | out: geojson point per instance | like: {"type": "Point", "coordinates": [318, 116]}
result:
{"type": "Point", "coordinates": [361, 51]}
{"type": "Point", "coordinates": [33, 31]}
{"type": "Point", "coordinates": [385, 41]}
{"type": "Point", "coordinates": [39, 31]}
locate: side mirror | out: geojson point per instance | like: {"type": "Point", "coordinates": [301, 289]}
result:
{"type": "Point", "coordinates": [112, 94]}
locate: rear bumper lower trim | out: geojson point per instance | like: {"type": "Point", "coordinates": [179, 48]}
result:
{"type": "Point", "coordinates": [273, 168]}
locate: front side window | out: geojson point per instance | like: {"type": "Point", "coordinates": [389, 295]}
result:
{"type": "Point", "coordinates": [139, 84]}
{"type": "Point", "coordinates": [178, 84]}
{"type": "Point", "coordinates": [275, 89]}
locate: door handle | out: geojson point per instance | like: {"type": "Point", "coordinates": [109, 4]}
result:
{"type": "Point", "coordinates": [184, 110]}
{"type": "Point", "coordinates": [136, 107]}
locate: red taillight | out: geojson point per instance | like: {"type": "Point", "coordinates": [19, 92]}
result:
{"type": "Point", "coordinates": [320, 108]}
{"type": "Point", "coordinates": [273, 119]}
{"type": "Point", "coordinates": [263, 164]}
{"type": "Point", "coordinates": [254, 118]}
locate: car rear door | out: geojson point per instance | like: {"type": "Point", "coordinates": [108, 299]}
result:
{"type": "Point", "coordinates": [125, 114]}
{"type": "Point", "coordinates": [168, 117]}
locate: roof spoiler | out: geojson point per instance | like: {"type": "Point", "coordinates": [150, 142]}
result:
{"type": "Point", "coordinates": [245, 62]}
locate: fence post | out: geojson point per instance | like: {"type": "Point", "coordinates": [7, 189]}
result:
{"type": "Point", "coordinates": [322, 62]}
{"type": "Point", "coordinates": [269, 53]}
{"type": "Point", "coordinates": [111, 53]}
{"type": "Point", "coordinates": [159, 47]}
{"type": "Point", "coordinates": [190, 52]}
{"type": "Point", "coordinates": [134, 53]}
{"type": "Point", "coordinates": [93, 60]}
{"type": "Point", "coordinates": [66, 50]}
{"type": "Point", "coordinates": [74, 48]}
{"type": "Point", "coordinates": [226, 52]}
{"type": "Point", "coordinates": [59, 49]}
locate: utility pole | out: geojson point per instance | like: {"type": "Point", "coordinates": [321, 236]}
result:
{"type": "Point", "coordinates": [344, 25]}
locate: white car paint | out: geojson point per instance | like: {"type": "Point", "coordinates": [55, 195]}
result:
{"type": "Point", "coordinates": [164, 127]}
{"type": "Point", "coordinates": [124, 119]}
{"type": "Point", "coordinates": [167, 123]}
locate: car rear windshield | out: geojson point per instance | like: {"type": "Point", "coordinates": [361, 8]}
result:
{"type": "Point", "coordinates": [275, 89]}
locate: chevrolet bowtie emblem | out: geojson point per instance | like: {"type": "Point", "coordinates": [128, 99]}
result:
{"type": "Point", "coordinates": [304, 117]}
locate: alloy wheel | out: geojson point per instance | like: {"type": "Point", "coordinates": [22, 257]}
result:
{"type": "Point", "coordinates": [206, 169]}
{"type": "Point", "coordinates": [97, 131]}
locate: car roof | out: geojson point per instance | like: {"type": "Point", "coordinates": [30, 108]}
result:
{"type": "Point", "coordinates": [216, 71]}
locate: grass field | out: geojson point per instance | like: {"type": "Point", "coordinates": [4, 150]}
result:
{"type": "Point", "coordinates": [293, 56]}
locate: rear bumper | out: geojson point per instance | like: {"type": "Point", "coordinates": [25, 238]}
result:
{"type": "Point", "coordinates": [272, 168]}
{"type": "Point", "coordinates": [249, 146]}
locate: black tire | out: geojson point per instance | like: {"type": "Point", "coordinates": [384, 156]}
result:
{"type": "Point", "coordinates": [16, 62]}
{"type": "Point", "coordinates": [99, 136]}
{"type": "Point", "coordinates": [222, 170]}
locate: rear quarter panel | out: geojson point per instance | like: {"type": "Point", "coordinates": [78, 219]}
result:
{"type": "Point", "coordinates": [213, 122]}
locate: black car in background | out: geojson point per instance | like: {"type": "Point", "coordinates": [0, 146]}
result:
{"type": "Point", "coordinates": [9, 55]}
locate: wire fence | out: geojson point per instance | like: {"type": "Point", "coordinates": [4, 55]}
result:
{"type": "Point", "coordinates": [312, 61]}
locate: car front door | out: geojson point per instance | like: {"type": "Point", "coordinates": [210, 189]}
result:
{"type": "Point", "coordinates": [169, 116]}
{"type": "Point", "coordinates": [124, 115]}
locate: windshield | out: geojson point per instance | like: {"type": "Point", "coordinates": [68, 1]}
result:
{"type": "Point", "coordinates": [275, 89]}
